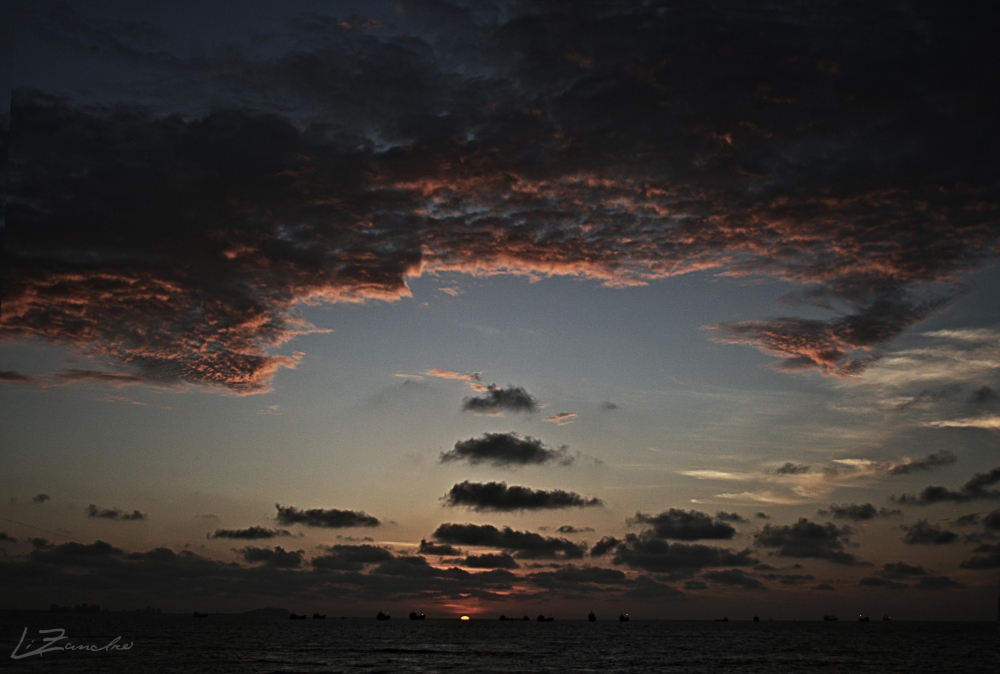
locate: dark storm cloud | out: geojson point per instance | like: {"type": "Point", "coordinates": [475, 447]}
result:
{"type": "Point", "coordinates": [41, 498]}
{"type": "Point", "coordinates": [505, 449]}
{"type": "Point", "coordinates": [501, 560]}
{"type": "Point", "coordinates": [429, 548]}
{"type": "Point", "coordinates": [330, 518]}
{"type": "Point", "coordinates": [857, 512]}
{"type": "Point", "coordinates": [250, 533]}
{"type": "Point", "coordinates": [988, 557]}
{"type": "Point", "coordinates": [734, 578]}
{"type": "Point", "coordinates": [973, 490]}
{"type": "Point", "coordinates": [685, 525]}
{"type": "Point", "coordinates": [495, 400]}
{"type": "Point", "coordinates": [113, 513]}
{"type": "Point", "coordinates": [650, 552]}
{"type": "Point", "coordinates": [616, 143]}
{"type": "Point", "coordinates": [351, 557]}
{"type": "Point", "coordinates": [924, 533]}
{"type": "Point", "coordinates": [524, 544]}
{"type": "Point", "coordinates": [807, 539]}
{"type": "Point", "coordinates": [497, 496]}
{"type": "Point", "coordinates": [276, 557]}
{"type": "Point", "coordinates": [793, 469]}
{"type": "Point", "coordinates": [932, 461]}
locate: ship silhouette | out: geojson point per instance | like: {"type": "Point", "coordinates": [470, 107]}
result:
{"type": "Point", "coordinates": [591, 617]}
{"type": "Point", "coordinates": [382, 616]}
{"type": "Point", "coordinates": [542, 619]}
{"type": "Point", "coordinates": [623, 618]}
{"type": "Point", "coordinates": [417, 616]}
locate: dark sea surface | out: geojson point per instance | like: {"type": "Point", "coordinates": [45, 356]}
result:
{"type": "Point", "coordinates": [232, 643]}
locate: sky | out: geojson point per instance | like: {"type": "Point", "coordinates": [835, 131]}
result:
{"type": "Point", "coordinates": [675, 309]}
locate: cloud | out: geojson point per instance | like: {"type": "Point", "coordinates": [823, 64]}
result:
{"type": "Point", "coordinates": [289, 178]}
{"type": "Point", "coordinates": [789, 578]}
{"type": "Point", "coordinates": [857, 512]}
{"type": "Point", "coordinates": [571, 577]}
{"type": "Point", "coordinates": [448, 374]}
{"type": "Point", "coordinates": [560, 419]}
{"type": "Point", "coordinates": [570, 529]}
{"type": "Point", "coordinates": [250, 533]}
{"type": "Point", "coordinates": [973, 490]}
{"type": "Point", "coordinates": [992, 520]}
{"type": "Point", "coordinates": [331, 518]}
{"type": "Point", "coordinates": [685, 525]}
{"type": "Point", "coordinates": [932, 461]}
{"type": "Point", "coordinates": [938, 583]}
{"type": "Point", "coordinates": [793, 469]}
{"type": "Point", "coordinates": [650, 552]}
{"type": "Point", "coordinates": [989, 558]}
{"type": "Point", "coordinates": [924, 533]}
{"type": "Point", "coordinates": [983, 394]}
{"type": "Point", "coordinates": [490, 561]}
{"type": "Point", "coordinates": [608, 406]}
{"type": "Point", "coordinates": [350, 557]}
{"type": "Point", "coordinates": [496, 400]}
{"type": "Point", "coordinates": [41, 498]}
{"type": "Point", "coordinates": [902, 570]}
{"type": "Point", "coordinates": [723, 516]}
{"type": "Point", "coordinates": [12, 377]}
{"type": "Point", "coordinates": [497, 496]}
{"type": "Point", "coordinates": [734, 578]}
{"type": "Point", "coordinates": [525, 544]}
{"type": "Point", "coordinates": [875, 581]}
{"type": "Point", "coordinates": [429, 548]}
{"type": "Point", "coordinates": [807, 539]}
{"type": "Point", "coordinates": [7, 538]}
{"type": "Point", "coordinates": [505, 450]}
{"type": "Point", "coordinates": [276, 557]}
{"type": "Point", "coordinates": [762, 516]}
{"type": "Point", "coordinates": [113, 513]}
{"type": "Point", "coordinates": [604, 546]}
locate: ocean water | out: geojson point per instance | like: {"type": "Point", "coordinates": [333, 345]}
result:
{"type": "Point", "coordinates": [231, 643]}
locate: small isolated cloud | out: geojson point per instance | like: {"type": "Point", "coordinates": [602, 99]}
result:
{"type": "Point", "coordinates": [723, 516]}
{"type": "Point", "coordinates": [793, 469]}
{"type": "Point", "coordinates": [329, 518]}
{"type": "Point", "coordinates": [734, 578]}
{"type": "Point", "coordinates": [442, 549]}
{"type": "Point", "coordinates": [496, 400]}
{"type": "Point", "coordinates": [924, 533]}
{"type": "Point", "coordinates": [504, 450]}
{"type": "Point", "coordinates": [350, 557]}
{"type": "Point", "coordinates": [825, 587]}
{"type": "Point", "coordinates": [973, 490]}
{"type": "Point", "coordinates": [500, 560]}
{"type": "Point", "coordinates": [570, 529]}
{"type": "Point", "coordinates": [250, 533]}
{"type": "Point", "coordinates": [685, 525]}
{"type": "Point", "coordinates": [930, 462]}
{"type": "Point", "coordinates": [276, 557]}
{"type": "Point", "coordinates": [448, 374]}
{"type": "Point", "coordinates": [762, 516]}
{"type": "Point", "coordinates": [561, 419]}
{"type": "Point", "coordinates": [987, 422]}
{"type": "Point", "coordinates": [807, 539]}
{"type": "Point", "coordinates": [113, 513]}
{"type": "Point", "coordinates": [857, 512]}
{"type": "Point", "coordinates": [607, 405]}
{"type": "Point", "coordinates": [41, 498]}
{"type": "Point", "coordinates": [12, 377]}
{"type": "Point", "coordinates": [497, 496]}
{"type": "Point", "coordinates": [524, 544]}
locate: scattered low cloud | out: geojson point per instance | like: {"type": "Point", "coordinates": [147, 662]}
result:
{"type": "Point", "coordinates": [685, 525]}
{"type": "Point", "coordinates": [330, 518]}
{"type": "Point", "coordinates": [650, 552]}
{"type": "Point", "coordinates": [113, 513]}
{"type": "Point", "coordinates": [924, 533]}
{"type": "Point", "coordinates": [938, 583]}
{"type": "Point", "coordinates": [449, 374]}
{"type": "Point", "coordinates": [987, 557]}
{"type": "Point", "coordinates": [734, 578]}
{"type": "Point", "coordinates": [807, 539]}
{"type": "Point", "coordinates": [973, 490]}
{"type": "Point", "coordinates": [495, 401]}
{"type": "Point", "coordinates": [902, 570]}
{"type": "Point", "coordinates": [506, 450]}
{"type": "Point", "coordinates": [793, 469]}
{"type": "Point", "coordinates": [443, 549]}
{"type": "Point", "coordinates": [497, 496]}
{"type": "Point", "coordinates": [932, 461]}
{"type": "Point", "coordinates": [724, 516]}
{"type": "Point", "coordinates": [250, 533]}
{"type": "Point", "coordinates": [608, 406]}
{"type": "Point", "coordinates": [560, 419]}
{"type": "Point", "coordinates": [7, 538]}
{"type": "Point", "coordinates": [350, 557]}
{"type": "Point", "coordinates": [570, 529]}
{"type": "Point", "coordinates": [501, 560]}
{"type": "Point", "coordinates": [276, 557]}
{"type": "Point", "coordinates": [856, 512]}
{"type": "Point", "coordinates": [524, 544]}
{"type": "Point", "coordinates": [41, 498]}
